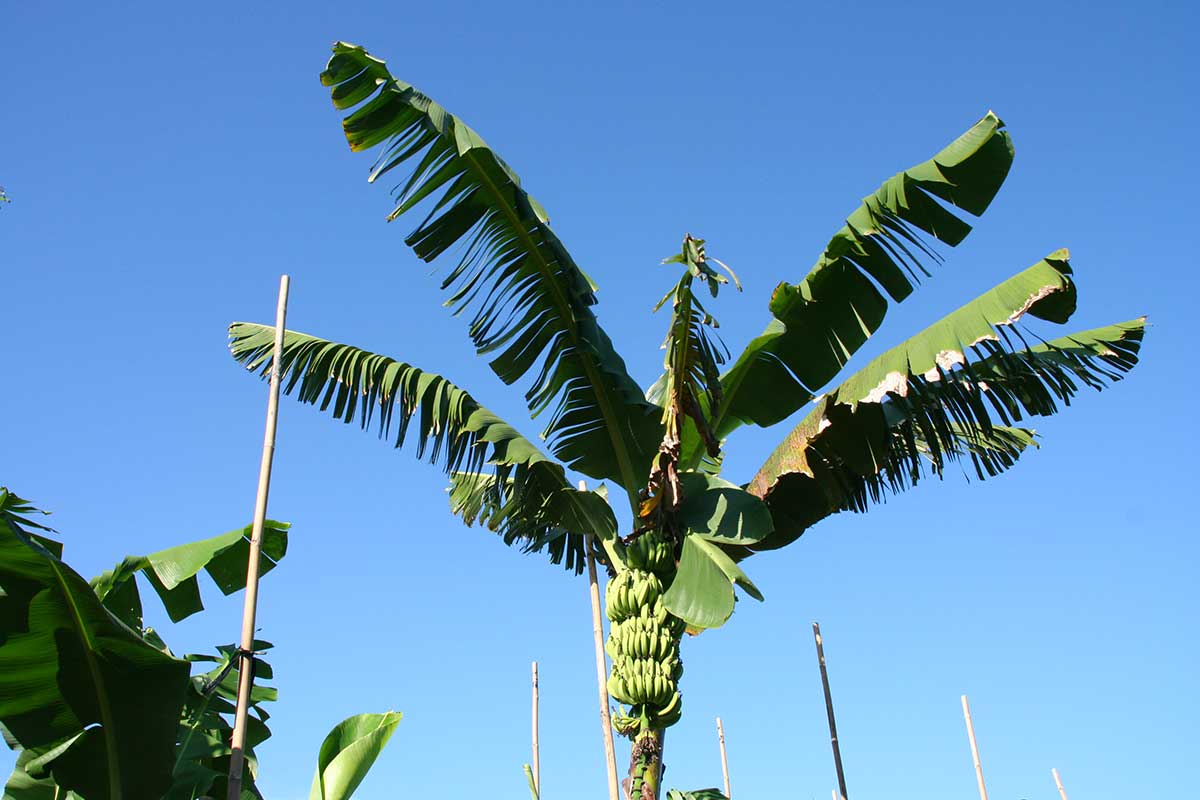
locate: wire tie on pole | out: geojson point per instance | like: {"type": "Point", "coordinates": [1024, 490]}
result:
{"type": "Point", "coordinates": [238, 655]}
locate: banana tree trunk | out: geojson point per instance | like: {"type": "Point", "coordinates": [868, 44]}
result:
{"type": "Point", "coordinates": [644, 781]}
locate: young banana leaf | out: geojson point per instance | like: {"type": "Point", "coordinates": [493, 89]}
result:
{"type": "Point", "coordinates": [348, 753]}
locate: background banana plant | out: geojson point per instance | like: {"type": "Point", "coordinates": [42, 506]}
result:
{"type": "Point", "coordinates": [955, 392]}
{"type": "Point", "coordinates": [96, 704]}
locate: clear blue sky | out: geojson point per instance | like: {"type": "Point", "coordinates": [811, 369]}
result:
{"type": "Point", "coordinates": [167, 162]}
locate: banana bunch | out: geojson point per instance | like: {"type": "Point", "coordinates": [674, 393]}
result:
{"type": "Point", "coordinates": [629, 592]}
{"type": "Point", "coordinates": [651, 552]}
{"type": "Point", "coordinates": [643, 640]}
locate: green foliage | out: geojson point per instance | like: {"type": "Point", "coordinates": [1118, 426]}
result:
{"type": "Point", "coordinates": [348, 752]}
{"type": "Point", "coordinates": [95, 704]}
{"type": "Point", "coordinates": [203, 753]}
{"type": "Point", "coordinates": [530, 302]}
{"type": "Point", "coordinates": [951, 394]}
{"type": "Point", "coordinates": [525, 496]}
{"type": "Point", "coordinates": [714, 513]}
{"type": "Point", "coordinates": [819, 323]}
{"type": "Point", "coordinates": [702, 592]}
{"type": "Point", "coordinates": [172, 572]}
{"type": "Point", "coordinates": [948, 394]}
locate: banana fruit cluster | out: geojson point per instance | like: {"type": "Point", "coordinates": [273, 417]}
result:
{"type": "Point", "coordinates": [643, 640]}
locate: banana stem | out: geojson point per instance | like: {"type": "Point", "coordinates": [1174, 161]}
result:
{"type": "Point", "coordinates": [645, 766]}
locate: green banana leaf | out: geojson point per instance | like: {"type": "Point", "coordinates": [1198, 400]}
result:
{"type": "Point", "coordinates": [821, 322]}
{"type": "Point", "coordinates": [530, 303]}
{"type": "Point", "coordinates": [525, 496]}
{"type": "Point", "coordinates": [348, 753]}
{"type": "Point", "coordinates": [23, 786]}
{"type": "Point", "coordinates": [951, 393]}
{"type": "Point", "coordinates": [74, 677]}
{"type": "Point", "coordinates": [715, 514]}
{"type": "Point", "coordinates": [720, 511]}
{"type": "Point", "coordinates": [701, 593]}
{"type": "Point", "coordinates": [172, 572]}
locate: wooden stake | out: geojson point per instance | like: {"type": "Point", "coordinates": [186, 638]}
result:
{"type": "Point", "coordinates": [1058, 782]}
{"type": "Point", "coordinates": [974, 749]}
{"type": "Point", "coordinates": [610, 753]}
{"type": "Point", "coordinates": [724, 760]}
{"type": "Point", "coordinates": [537, 764]}
{"type": "Point", "coordinates": [833, 737]}
{"type": "Point", "coordinates": [250, 608]}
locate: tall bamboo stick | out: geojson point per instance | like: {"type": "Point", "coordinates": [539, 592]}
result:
{"type": "Point", "coordinates": [974, 749]}
{"type": "Point", "coordinates": [250, 607]}
{"type": "Point", "coordinates": [537, 763]}
{"type": "Point", "coordinates": [724, 760]}
{"type": "Point", "coordinates": [1058, 782]}
{"type": "Point", "coordinates": [833, 737]}
{"type": "Point", "coordinates": [610, 753]}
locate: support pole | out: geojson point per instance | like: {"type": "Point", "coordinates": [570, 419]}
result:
{"type": "Point", "coordinates": [724, 760]}
{"type": "Point", "coordinates": [974, 749]}
{"type": "Point", "coordinates": [250, 608]}
{"type": "Point", "coordinates": [537, 764]}
{"type": "Point", "coordinates": [610, 753]}
{"type": "Point", "coordinates": [833, 737]}
{"type": "Point", "coordinates": [1058, 782]}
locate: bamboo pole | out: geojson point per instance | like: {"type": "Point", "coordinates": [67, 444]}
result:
{"type": "Point", "coordinates": [250, 607]}
{"type": "Point", "coordinates": [537, 764]}
{"type": "Point", "coordinates": [974, 749]}
{"type": "Point", "coordinates": [833, 737]}
{"type": "Point", "coordinates": [610, 753]}
{"type": "Point", "coordinates": [724, 760]}
{"type": "Point", "coordinates": [1058, 782]}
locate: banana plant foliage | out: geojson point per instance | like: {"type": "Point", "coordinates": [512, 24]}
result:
{"type": "Point", "coordinates": [348, 753]}
{"type": "Point", "coordinates": [951, 393]}
{"type": "Point", "coordinates": [958, 392]}
{"type": "Point", "coordinates": [203, 752]}
{"type": "Point", "coordinates": [97, 705]}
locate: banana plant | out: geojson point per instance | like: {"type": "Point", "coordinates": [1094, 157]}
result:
{"type": "Point", "coordinates": [97, 704]}
{"type": "Point", "coordinates": [956, 392]}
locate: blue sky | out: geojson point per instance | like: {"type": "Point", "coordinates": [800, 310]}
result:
{"type": "Point", "coordinates": [166, 163]}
